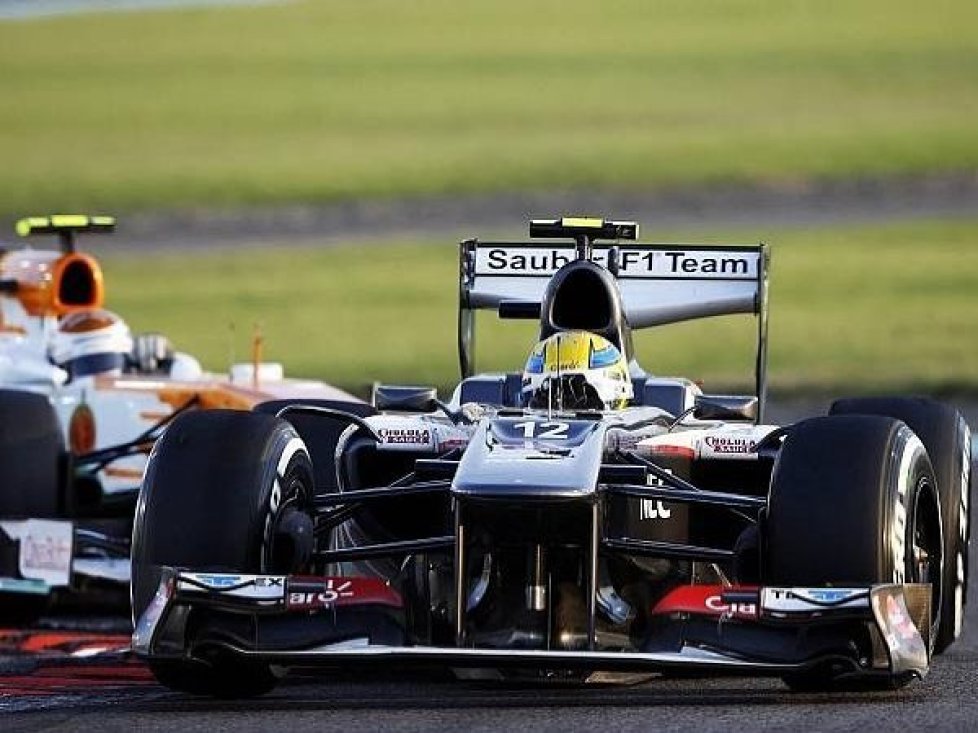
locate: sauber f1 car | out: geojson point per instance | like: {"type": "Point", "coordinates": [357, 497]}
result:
{"type": "Point", "coordinates": [580, 516]}
{"type": "Point", "coordinates": [81, 403]}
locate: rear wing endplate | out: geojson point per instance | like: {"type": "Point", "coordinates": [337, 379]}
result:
{"type": "Point", "coordinates": [659, 284]}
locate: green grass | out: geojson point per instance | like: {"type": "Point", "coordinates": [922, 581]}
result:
{"type": "Point", "coordinates": [869, 308]}
{"type": "Point", "coordinates": [311, 101]}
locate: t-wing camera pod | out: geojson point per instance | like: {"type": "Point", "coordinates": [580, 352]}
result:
{"type": "Point", "coordinates": [584, 232]}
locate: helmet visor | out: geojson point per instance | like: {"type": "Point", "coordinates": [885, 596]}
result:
{"type": "Point", "coordinates": [566, 392]}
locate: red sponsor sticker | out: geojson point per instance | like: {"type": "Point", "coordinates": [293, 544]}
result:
{"type": "Point", "coordinates": [683, 451]}
{"type": "Point", "coordinates": [708, 600]}
{"type": "Point", "coordinates": [310, 593]}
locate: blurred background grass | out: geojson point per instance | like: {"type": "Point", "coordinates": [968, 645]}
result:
{"type": "Point", "coordinates": [331, 101]}
{"type": "Point", "coordinates": [862, 308]}
{"type": "Point", "coordinates": [308, 101]}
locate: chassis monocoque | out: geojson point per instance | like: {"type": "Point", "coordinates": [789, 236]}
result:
{"type": "Point", "coordinates": [73, 451]}
{"type": "Point", "coordinates": [681, 533]}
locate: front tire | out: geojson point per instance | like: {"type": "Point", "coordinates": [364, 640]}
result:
{"type": "Point", "coordinates": [947, 438]}
{"type": "Point", "coordinates": [852, 501]}
{"type": "Point", "coordinates": [217, 487]}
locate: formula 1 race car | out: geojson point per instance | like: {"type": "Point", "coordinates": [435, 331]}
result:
{"type": "Point", "coordinates": [581, 516]}
{"type": "Point", "coordinates": [81, 403]}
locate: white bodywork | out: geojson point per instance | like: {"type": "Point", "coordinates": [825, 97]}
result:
{"type": "Point", "coordinates": [694, 439]}
{"type": "Point", "coordinates": [125, 407]}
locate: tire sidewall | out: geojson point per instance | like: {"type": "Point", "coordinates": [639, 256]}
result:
{"type": "Point", "coordinates": [287, 481]}
{"type": "Point", "coordinates": [913, 488]}
{"type": "Point", "coordinates": [958, 558]}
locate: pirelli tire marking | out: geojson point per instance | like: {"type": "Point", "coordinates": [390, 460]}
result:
{"type": "Point", "coordinates": [960, 558]}
{"type": "Point", "coordinates": [275, 500]}
{"type": "Point", "coordinates": [898, 525]}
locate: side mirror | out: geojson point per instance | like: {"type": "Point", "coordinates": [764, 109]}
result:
{"type": "Point", "coordinates": [405, 399]}
{"type": "Point", "coordinates": [725, 407]}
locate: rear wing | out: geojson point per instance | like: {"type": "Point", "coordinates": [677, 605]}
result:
{"type": "Point", "coordinates": [659, 283]}
{"type": "Point", "coordinates": [49, 283]}
{"type": "Point", "coordinates": [66, 226]}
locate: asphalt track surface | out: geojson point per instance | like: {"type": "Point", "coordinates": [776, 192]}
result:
{"type": "Point", "coordinates": [752, 211]}
{"type": "Point", "coordinates": [46, 689]}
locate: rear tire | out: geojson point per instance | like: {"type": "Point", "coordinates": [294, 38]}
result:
{"type": "Point", "coordinates": [217, 485]}
{"type": "Point", "coordinates": [32, 461]}
{"type": "Point", "coordinates": [852, 501]}
{"type": "Point", "coordinates": [32, 457]}
{"type": "Point", "coordinates": [947, 438]}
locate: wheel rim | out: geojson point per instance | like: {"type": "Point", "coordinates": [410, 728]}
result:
{"type": "Point", "coordinates": [280, 556]}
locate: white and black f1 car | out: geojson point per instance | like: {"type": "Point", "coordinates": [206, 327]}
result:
{"type": "Point", "coordinates": [516, 536]}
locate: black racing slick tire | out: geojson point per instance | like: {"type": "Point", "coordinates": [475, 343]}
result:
{"type": "Point", "coordinates": [947, 438]}
{"type": "Point", "coordinates": [32, 467]}
{"type": "Point", "coordinates": [218, 487]}
{"type": "Point", "coordinates": [32, 457]}
{"type": "Point", "coordinates": [852, 501]}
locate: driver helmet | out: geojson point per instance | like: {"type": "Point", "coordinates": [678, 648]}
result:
{"type": "Point", "coordinates": [91, 342]}
{"type": "Point", "coordinates": [576, 370]}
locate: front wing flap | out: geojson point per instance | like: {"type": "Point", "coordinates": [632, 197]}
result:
{"type": "Point", "coordinates": [330, 621]}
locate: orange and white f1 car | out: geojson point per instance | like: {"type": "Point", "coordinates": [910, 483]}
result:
{"type": "Point", "coordinates": [82, 401]}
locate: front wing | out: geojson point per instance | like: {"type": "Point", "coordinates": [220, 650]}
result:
{"type": "Point", "coordinates": [874, 633]}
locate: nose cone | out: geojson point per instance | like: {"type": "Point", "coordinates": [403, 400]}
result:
{"type": "Point", "coordinates": [532, 457]}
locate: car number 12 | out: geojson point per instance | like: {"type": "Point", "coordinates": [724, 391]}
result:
{"type": "Point", "coordinates": [550, 430]}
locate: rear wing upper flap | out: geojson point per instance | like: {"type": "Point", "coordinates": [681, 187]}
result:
{"type": "Point", "coordinates": [66, 226]}
{"type": "Point", "coordinates": [659, 283]}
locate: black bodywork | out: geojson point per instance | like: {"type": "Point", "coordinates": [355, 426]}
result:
{"type": "Point", "coordinates": [518, 551]}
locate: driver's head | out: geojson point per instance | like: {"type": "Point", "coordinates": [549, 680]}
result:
{"type": "Point", "coordinates": [91, 342]}
{"type": "Point", "coordinates": [576, 370]}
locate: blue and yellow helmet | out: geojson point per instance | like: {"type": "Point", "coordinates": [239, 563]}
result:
{"type": "Point", "coordinates": [576, 370]}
